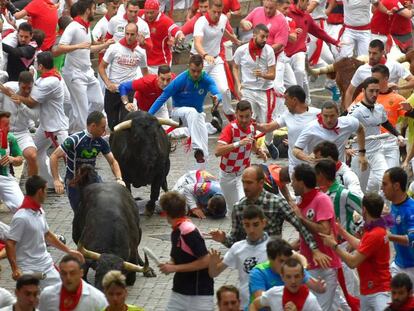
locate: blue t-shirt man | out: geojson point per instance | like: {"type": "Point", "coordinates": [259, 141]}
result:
{"type": "Point", "coordinates": [403, 215]}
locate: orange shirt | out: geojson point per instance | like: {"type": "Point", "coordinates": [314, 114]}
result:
{"type": "Point", "coordinates": [391, 103]}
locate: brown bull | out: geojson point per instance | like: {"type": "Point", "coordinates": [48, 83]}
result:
{"type": "Point", "coordinates": [342, 71]}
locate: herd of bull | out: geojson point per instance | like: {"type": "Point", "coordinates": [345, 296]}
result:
{"type": "Point", "coordinates": [106, 227]}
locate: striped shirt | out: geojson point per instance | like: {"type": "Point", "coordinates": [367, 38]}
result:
{"type": "Point", "coordinates": [82, 148]}
{"type": "Point", "coordinates": [345, 203]}
{"type": "Point", "coordinates": [276, 210]}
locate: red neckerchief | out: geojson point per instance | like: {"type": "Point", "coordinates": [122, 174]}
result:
{"type": "Point", "coordinates": [308, 197]}
{"type": "Point", "coordinates": [107, 17]}
{"type": "Point", "coordinates": [210, 21]}
{"type": "Point", "coordinates": [298, 298]}
{"type": "Point", "coordinates": [254, 50]}
{"type": "Point", "coordinates": [129, 46]}
{"type": "Point", "coordinates": [51, 73]}
{"type": "Point", "coordinates": [82, 22]}
{"type": "Point", "coordinates": [29, 203]}
{"type": "Point", "coordinates": [69, 301]}
{"type": "Point", "coordinates": [3, 138]}
{"type": "Point", "coordinates": [383, 60]}
{"type": "Point", "coordinates": [335, 128]}
{"type": "Point", "coordinates": [134, 21]}
{"type": "Point", "coordinates": [338, 166]}
{"type": "Point", "coordinates": [179, 221]}
{"type": "Point", "coordinates": [408, 306]}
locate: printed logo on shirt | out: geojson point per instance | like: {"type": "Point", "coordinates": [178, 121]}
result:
{"type": "Point", "coordinates": [370, 284]}
{"type": "Point", "coordinates": [201, 91]}
{"type": "Point", "coordinates": [398, 219]}
{"type": "Point", "coordinates": [120, 29]}
{"type": "Point", "coordinates": [310, 214]}
{"type": "Point", "coordinates": [249, 263]}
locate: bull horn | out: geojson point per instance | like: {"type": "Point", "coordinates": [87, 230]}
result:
{"type": "Point", "coordinates": [163, 121]}
{"type": "Point", "coordinates": [323, 70]}
{"type": "Point", "coordinates": [402, 59]}
{"type": "Point", "coordinates": [123, 126]}
{"type": "Point", "coordinates": [87, 253]}
{"type": "Point", "coordinates": [126, 265]}
{"type": "Point", "coordinates": [137, 268]}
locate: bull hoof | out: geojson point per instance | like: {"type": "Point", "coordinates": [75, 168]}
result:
{"type": "Point", "coordinates": [150, 273]}
{"type": "Point", "coordinates": [149, 211]}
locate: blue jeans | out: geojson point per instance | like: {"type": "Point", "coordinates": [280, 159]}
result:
{"type": "Point", "coordinates": [74, 194]}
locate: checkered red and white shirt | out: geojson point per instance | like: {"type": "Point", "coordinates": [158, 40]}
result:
{"type": "Point", "coordinates": [239, 158]}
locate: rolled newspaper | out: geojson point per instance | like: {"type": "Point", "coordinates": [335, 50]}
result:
{"type": "Point", "coordinates": [151, 255]}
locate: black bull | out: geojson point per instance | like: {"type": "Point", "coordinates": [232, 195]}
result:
{"type": "Point", "coordinates": [142, 151]}
{"type": "Point", "coordinates": [107, 223]}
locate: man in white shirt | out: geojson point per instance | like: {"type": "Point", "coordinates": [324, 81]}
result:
{"type": "Point", "coordinates": [28, 234]}
{"type": "Point", "coordinates": [376, 54]}
{"type": "Point", "coordinates": [117, 24]}
{"type": "Point", "coordinates": [246, 254]}
{"type": "Point", "coordinates": [344, 175]}
{"type": "Point", "coordinates": [294, 295]}
{"type": "Point", "coordinates": [298, 114]}
{"type": "Point", "coordinates": [357, 34]}
{"type": "Point", "coordinates": [372, 116]}
{"type": "Point", "coordinates": [257, 62]}
{"type": "Point", "coordinates": [84, 88]}
{"type": "Point", "coordinates": [21, 116]}
{"type": "Point", "coordinates": [123, 59]}
{"type": "Point", "coordinates": [209, 30]}
{"type": "Point", "coordinates": [101, 27]}
{"type": "Point", "coordinates": [27, 292]}
{"type": "Point", "coordinates": [74, 293]}
{"type": "Point", "coordinates": [49, 96]}
{"type": "Point", "coordinates": [330, 126]}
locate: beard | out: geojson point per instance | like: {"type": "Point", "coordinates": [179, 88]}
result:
{"type": "Point", "coordinates": [260, 45]}
{"type": "Point", "coordinates": [90, 17]}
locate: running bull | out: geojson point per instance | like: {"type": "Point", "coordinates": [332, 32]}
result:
{"type": "Point", "coordinates": [106, 228]}
{"type": "Point", "coordinates": [142, 150]}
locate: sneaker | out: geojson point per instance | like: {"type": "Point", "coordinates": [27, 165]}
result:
{"type": "Point", "coordinates": [216, 123]}
{"type": "Point", "coordinates": [274, 152]}
{"type": "Point", "coordinates": [336, 95]}
{"type": "Point", "coordinates": [199, 156]}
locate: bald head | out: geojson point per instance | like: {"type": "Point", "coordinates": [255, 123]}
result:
{"type": "Point", "coordinates": [254, 171]}
{"type": "Point", "coordinates": [131, 33]}
{"type": "Point", "coordinates": [253, 180]}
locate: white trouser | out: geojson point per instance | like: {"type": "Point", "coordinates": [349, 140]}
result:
{"type": "Point", "coordinates": [375, 302]}
{"type": "Point", "coordinates": [258, 100]}
{"type": "Point", "coordinates": [297, 61]}
{"type": "Point", "coordinates": [326, 299]}
{"type": "Point", "coordinates": [218, 74]}
{"type": "Point", "coordinates": [86, 96]}
{"type": "Point", "coordinates": [333, 30]}
{"type": "Point", "coordinates": [24, 140]}
{"type": "Point", "coordinates": [43, 143]}
{"type": "Point", "coordinates": [371, 178]}
{"type": "Point", "coordinates": [394, 269]}
{"type": "Point", "coordinates": [196, 123]}
{"type": "Point", "coordinates": [179, 302]}
{"type": "Point", "coordinates": [10, 192]}
{"type": "Point", "coordinates": [284, 78]}
{"type": "Point", "coordinates": [326, 56]}
{"type": "Point", "coordinates": [355, 39]}
{"type": "Point", "coordinates": [232, 187]}
{"type": "Point", "coordinates": [52, 277]}
{"type": "Point", "coordinates": [391, 152]}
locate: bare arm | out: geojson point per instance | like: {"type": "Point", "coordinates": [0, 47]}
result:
{"type": "Point", "coordinates": [52, 240]}
{"type": "Point", "coordinates": [399, 239]}
{"type": "Point", "coordinates": [112, 87]}
{"type": "Point", "coordinates": [301, 155]}
{"type": "Point", "coordinates": [352, 260]}
{"type": "Point", "coordinates": [99, 47]}
{"type": "Point", "coordinates": [267, 127]}
{"type": "Point", "coordinates": [20, 14]}
{"type": "Point", "coordinates": [11, 254]}
{"type": "Point", "coordinates": [222, 149]}
{"type": "Point", "coordinates": [312, 6]}
{"type": "Point", "coordinates": [317, 227]}
{"type": "Point", "coordinates": [246, 25]}
{"type": "Point", "coordinates": [348, 96]}
{"type": "Point", "coordinates": [198, 44]}
{"type": "Point", "coordinates": [67, 48]}
{"type": "Point", "coordinates": [114, 165]}
{"type": "Point", "coordinates": [196, 265]}
{"type": "Point", "coordinates": [54, 158]}
{"type": "Point", "coordinates": [409, 85]}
